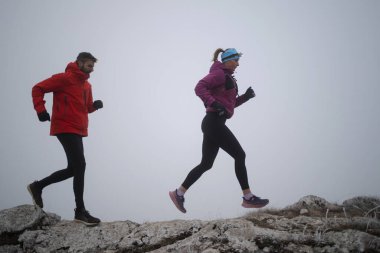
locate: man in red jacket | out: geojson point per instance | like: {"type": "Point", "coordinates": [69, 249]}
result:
{"type": "Point", "coordinates": [72, 101]}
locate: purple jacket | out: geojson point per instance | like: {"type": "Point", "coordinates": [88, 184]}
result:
{"type": "Point", "coordinates": [219, 85]}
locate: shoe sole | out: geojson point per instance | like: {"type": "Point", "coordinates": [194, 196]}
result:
{"type": "Point", "coordinates": [253, 206]}
{"type": "Point", "coordinates": [86, 223]}
{"type": "Point", "coordinates": [31, 194]}
{"type": "Point", "coordinates": [172, 197]}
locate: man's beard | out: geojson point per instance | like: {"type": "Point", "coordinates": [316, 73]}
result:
{"type": "Point", "coordinates": [85, 71]}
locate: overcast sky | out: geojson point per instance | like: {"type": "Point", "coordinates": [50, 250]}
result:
{"type": "Point", "coordinates": [313, 127]}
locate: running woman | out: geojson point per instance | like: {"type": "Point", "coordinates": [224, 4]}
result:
{"type": "Point", "coordinates": [219, 93]}
{"type": "Point", "coordinates": [72, 101]}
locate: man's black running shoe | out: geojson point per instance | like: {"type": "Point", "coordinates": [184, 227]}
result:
{"type": "Point", "coordinates": [83, 216]}
{"type": "Point", "coordinates": [36, 192]}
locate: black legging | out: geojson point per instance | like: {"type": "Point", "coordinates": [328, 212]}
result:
{"type": "Point", "coordinates": [73, 146]}
{"type": "Point", "coordinates": [217, 135]}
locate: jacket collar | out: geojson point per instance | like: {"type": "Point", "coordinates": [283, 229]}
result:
{"type": "Point", "coordinates": [73, 68]}
{"type": "Point", "coordinates": [218, 65]}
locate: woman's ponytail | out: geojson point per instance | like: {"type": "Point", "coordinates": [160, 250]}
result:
{"type": "Point", "coordinates": [216, 54]}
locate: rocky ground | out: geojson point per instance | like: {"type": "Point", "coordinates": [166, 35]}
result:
{"type": "Point", "coordinates": [310, 225]}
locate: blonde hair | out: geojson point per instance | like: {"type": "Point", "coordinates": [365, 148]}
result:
{"type": "Point", "coordinates": [216, 54]}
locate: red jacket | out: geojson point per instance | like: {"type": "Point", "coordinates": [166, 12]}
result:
{"type": "Point", "coordinates": [72, 100]}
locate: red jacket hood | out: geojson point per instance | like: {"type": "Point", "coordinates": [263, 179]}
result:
{"type": "Point", "coordinates": [73, 68]}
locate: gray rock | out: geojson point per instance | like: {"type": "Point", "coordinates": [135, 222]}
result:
{"type": "Point", "coordinates": [325, 227]}
{"type": "Point", "coordinates": [155, 235]}
{"type": "Point", "coordinates": [353, 241]}
{"type": "Point", "coordinates": [15, 220]}
{"type": "Point", "coordinates": [22, 217]}
{"type": "Point", "coordinates": [19, 218]}
{"type": "Point", "coordinates": [10, 249]}
{"type": "Point", "coordinates": [312, 202]}
{"type": "Point", "coordinates": [70, 236]}
{"type": "Point", "coordinates": [365, 205]}
{"type": "Point", "coordinates": [232, 235]}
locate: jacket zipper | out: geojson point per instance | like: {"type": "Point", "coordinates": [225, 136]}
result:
{"type": "Point", "coordinates": [65, 105]}
{"type": "Point", "coordinates": [84, 100]}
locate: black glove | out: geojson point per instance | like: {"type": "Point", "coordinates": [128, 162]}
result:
{"type": "Point", "coordinates": [43, 116]}
{"type": "Point", "coordinates": [249, 93]}
{"type": "Point", "coordinates": [97, 104]}
{"type": "Point", "coordinates": [220, 110]}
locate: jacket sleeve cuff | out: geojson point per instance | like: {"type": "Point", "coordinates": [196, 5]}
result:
{"type": "Point", "coordinates": [40, 109]}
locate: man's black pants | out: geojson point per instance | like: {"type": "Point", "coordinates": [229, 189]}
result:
{"type": "Point", "coordinates": [76, 166]}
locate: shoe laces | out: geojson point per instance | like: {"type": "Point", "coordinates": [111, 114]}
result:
{"type": "Point", "coordinates": [252, 198]}
{"type": "Point", "coordinates": [82, 210]}
{"type": "Point", "coordinates": [182, 198]}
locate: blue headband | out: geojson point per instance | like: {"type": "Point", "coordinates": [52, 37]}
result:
{"type": "Point", "coordinates": [230, 54]}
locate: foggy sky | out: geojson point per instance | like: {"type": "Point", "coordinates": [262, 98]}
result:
{"type": "Point", "coordinates": [313, 127]}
